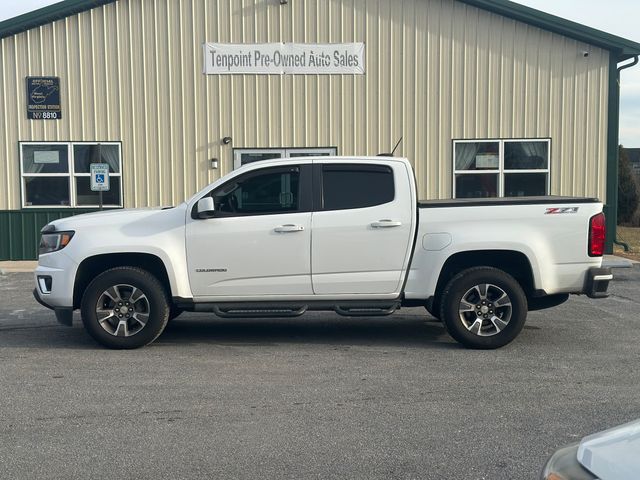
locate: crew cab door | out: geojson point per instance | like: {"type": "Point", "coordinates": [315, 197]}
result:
{"type": "Point", "coordinates": [258, 242]}
{"type": "Point", "coordinates": [362, 227]}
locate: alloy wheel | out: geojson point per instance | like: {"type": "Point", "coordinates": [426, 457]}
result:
{"type": "Point", "coordinates": [123, 310]}
{"type": "Point", "coordinates": [485, 310]}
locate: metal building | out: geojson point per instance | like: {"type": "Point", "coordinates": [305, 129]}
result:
{"type": "Point", "coordinates": [490, 98]}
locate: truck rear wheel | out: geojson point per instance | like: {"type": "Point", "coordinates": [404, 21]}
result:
{"type": "Point", "coordinates": [483, 308]}
{"type": "Point", "coordinates": [124, 308]}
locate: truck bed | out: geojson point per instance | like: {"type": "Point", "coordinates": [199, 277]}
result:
{"type": "Point", "coordinates": [486, 202]}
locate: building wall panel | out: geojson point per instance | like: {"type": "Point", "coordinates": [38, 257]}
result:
{"type": "Point", "coordinates": [437, 70]}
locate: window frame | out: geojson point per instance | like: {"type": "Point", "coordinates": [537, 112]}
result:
{"type": "Point", "coordinates": [71, 175]}
{"type": "Point", "coordinates": [501, 171]}
{"type": "Point", "coordinates": [284, 151]}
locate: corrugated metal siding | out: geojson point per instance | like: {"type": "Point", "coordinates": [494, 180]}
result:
{"type": "Point", "coordinates": [437, 70]}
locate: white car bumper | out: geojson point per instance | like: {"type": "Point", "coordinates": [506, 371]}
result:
{"type": "Point", "coordinates": [54, 278]}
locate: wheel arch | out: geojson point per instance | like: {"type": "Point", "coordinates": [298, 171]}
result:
{"type": "Point", "coordinates": [514, 263]}
{"type": "Point", "coordinates": [92, 266]}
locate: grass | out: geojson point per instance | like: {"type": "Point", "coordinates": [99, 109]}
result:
{"type": "Point", "coordinates": [630, 236]}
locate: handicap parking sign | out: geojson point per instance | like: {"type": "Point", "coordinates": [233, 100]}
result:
{"type": "Point", "coordinates": [99, 177]}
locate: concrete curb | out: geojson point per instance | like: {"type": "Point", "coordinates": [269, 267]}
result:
{"type": "Point", "coordinates": [17, 267]}
{"type": "Point", "coordinates": [613, 261]}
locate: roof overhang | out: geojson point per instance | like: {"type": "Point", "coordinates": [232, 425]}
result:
{"type": "Point", "coordinates": [48, 14]}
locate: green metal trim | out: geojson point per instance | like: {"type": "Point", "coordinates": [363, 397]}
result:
{"type": "Point", "coordinates": [20, 230]}
{"type": "Point", "coordinates": [48, 14]}
{"type": "Point", "coordinates": [613, 126]}
{"type": "Point", "coordinates": [622, 47]}
{"type": "Point", "coordinates": [613, 150]}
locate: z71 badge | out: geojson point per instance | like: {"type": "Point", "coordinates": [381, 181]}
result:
{"type": "Point", "coordinates": [557, 211]}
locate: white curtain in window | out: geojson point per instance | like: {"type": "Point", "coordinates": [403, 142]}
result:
{"type": "Point", "coordinates": [466, 155]}
{"type": "Point", "coordinates": [537, 150]}
{"type": "Point", "coordinates": [110, 155]}
{"type": "Point", "coordinates": [33, 167]}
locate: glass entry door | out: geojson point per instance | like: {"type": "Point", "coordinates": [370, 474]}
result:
{"type": "Point", "coordinates": [243, 156]}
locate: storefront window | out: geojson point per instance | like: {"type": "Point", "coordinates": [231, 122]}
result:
{"type": "Point", "coordinates": [242, 156]}
{"type": "Point", "coordinates": [45, 171]}
{"type": "Point", "coordinates": [46, 191]}
{"type": "Point", "coordinates": [57, 174]}
{"type": "Point", "coordinates": [501, 168]}
{"type": "Point", "coordinates": [476, 186]}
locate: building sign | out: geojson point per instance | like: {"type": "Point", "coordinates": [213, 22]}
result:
{"type": "Point", "coordinates": [99, 177]}
{"type": "Point", "coordinates": [43, 98]}
{"type": "Point", "coordinates": [284, 58]}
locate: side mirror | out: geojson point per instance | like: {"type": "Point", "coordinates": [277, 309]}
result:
{"type": "Point", "coordinates": [206, 207]}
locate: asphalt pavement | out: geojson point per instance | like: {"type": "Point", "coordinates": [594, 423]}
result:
{"type": "Point", "coordinates": [320, 396]}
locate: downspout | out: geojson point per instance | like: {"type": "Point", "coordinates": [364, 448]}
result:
{"type": "Point", "coordinates": [613, 141]}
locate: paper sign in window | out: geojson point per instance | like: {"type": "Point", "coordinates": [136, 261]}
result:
{"type": "Point", "coordinates": [487, 161]}
{"type": "Point", "coordinates": [46, 156]}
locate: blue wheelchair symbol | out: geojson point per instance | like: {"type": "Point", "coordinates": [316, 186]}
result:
{"type": "Point", "coordinates": [99, 178]}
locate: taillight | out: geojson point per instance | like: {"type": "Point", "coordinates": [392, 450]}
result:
{"type": "Point", "coordinates": [597, 234]}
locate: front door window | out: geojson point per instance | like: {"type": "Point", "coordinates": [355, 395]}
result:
{"type": "Point", "coordinates": [268, 192]}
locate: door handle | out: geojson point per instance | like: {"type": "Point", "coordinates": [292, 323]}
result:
{"type": "Point", "coordinates": [289, 228]}
{"type": "Point", "coordinates": [386, 224]}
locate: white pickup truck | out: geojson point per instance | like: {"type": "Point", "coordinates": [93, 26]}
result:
{"type": "Point", "coordinates": [279, 238]}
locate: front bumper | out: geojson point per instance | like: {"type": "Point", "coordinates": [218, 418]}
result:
{"type": "Point", "coordinates": [54, 278]}
{"type": "Point", "coordinates": [597, 282]}
{"type": "Point", "coordinates": [64, 315]}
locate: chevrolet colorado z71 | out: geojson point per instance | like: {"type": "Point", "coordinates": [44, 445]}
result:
{"type": "Point", "coordinates": [279, 238]}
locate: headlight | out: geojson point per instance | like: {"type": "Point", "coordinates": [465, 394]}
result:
{"type": "Point", "coordinates": [52, 242]}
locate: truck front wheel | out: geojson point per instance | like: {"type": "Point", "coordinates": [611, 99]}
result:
{"type": "Point", "coordinates": [483, 308]}
{"type": "Point", "coordinates": [124, 308]}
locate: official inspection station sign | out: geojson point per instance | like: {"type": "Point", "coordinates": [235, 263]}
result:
{"type": "Point", "coordinates": [99, 177]}
{"type": "Point", "coordinates": [43, 98]}
{"type": "Point", "coordinates": [284, 58]}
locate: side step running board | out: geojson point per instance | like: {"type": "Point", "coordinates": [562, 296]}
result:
{"type": "Point", "coordinates": [365, 311]}
{"type": "Point", "coordinates": [372, 308]}
{"type": "Point", "coordinates": [256, 312]}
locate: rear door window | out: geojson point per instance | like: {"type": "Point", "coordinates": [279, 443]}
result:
{"type": "Point", "coordinates": [356, 186]}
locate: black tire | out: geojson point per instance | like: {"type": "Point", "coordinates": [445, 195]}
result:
{"type": "Point", "coordinates": [475, 330]}
{"type": "Point", "coordinates": [153, 303]}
